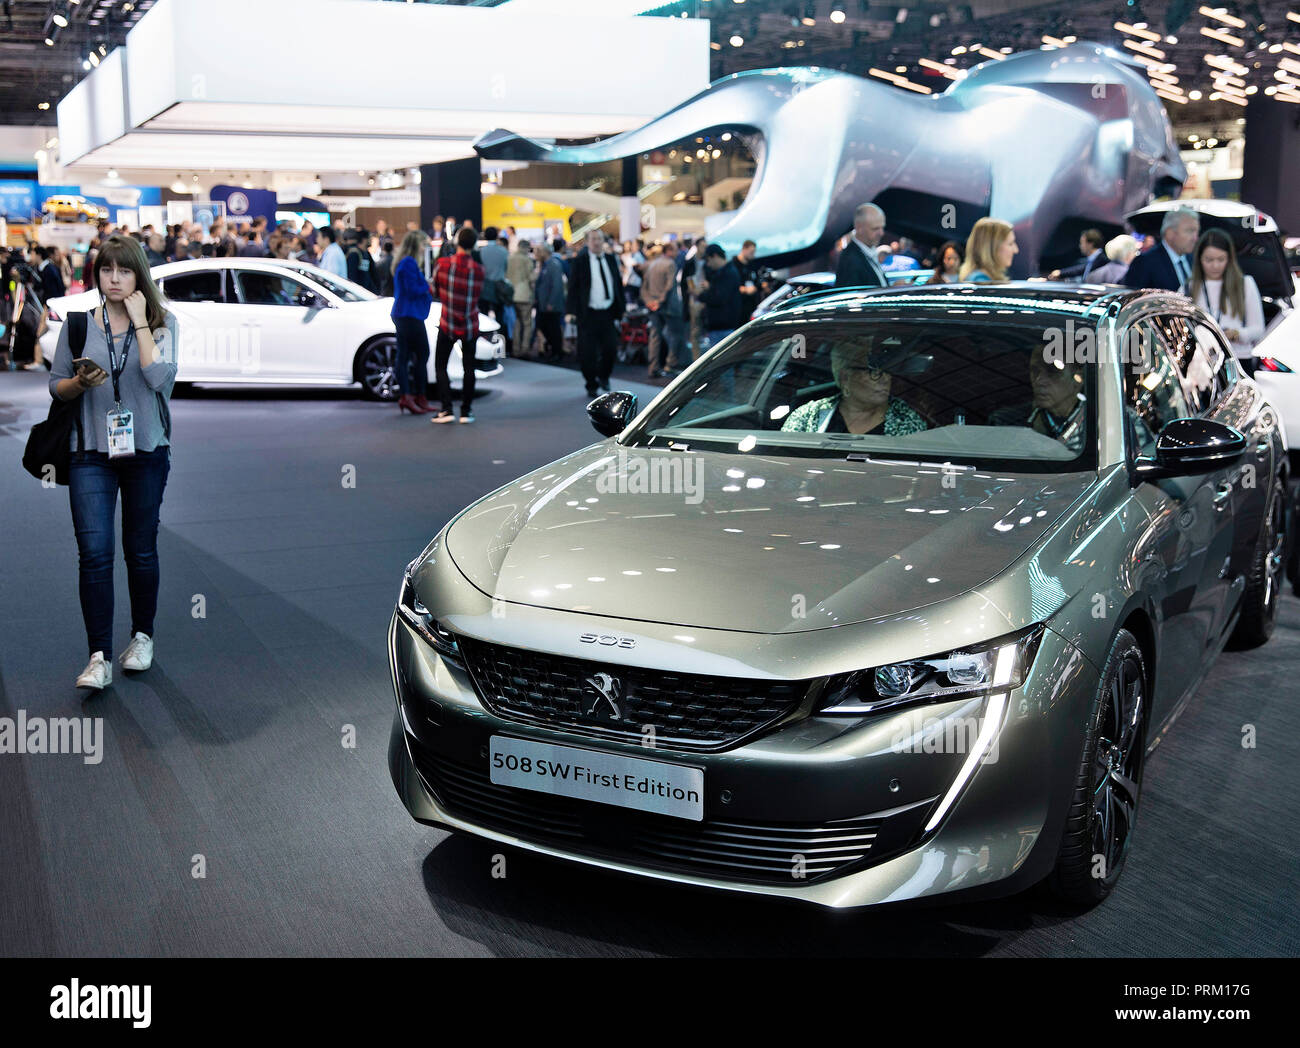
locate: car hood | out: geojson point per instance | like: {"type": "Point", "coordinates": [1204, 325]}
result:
{"type": "Point", "coordinates": [768, 545]}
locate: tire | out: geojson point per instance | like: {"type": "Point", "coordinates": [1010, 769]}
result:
{"type": "Point", "coordinates": [1264, 583]}
{"type": "Point", "coordinates": [1103, 805]}
{"type": "Point", "coordinates": [376, 368]}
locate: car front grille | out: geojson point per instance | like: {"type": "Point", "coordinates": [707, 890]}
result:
{"type": "Point", "coordinates": [686, 711]}
{"type": "Point", "coordinates": [751, 852]}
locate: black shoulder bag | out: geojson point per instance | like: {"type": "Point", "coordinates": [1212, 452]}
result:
{"type": "Point", "coordinates": [48, 445]}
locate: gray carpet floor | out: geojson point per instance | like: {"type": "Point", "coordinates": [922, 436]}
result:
{"type": "Point", "coordinates": [229, 753]}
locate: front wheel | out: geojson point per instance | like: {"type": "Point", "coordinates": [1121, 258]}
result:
{"type": "Point", "coordinates": [376, 369]}
{"type": "Point", "coordinates": [1103, 807]}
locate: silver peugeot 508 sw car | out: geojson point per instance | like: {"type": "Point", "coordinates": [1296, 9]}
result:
{"type": "Point", "coordinates": [887, 596]}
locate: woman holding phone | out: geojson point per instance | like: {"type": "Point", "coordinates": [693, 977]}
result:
{"type": "Point", "coordinates": [124, 377]}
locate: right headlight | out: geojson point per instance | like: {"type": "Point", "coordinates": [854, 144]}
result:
{"type": "Point", "coordinates": [442, 640]}
{"type": "Point", "coordinates": [995, 666]}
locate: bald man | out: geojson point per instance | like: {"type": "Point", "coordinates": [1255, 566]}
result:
{"type": "Point", "coordinates": [858, 266]}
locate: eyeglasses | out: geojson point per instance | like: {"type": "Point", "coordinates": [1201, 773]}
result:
{"type": "Point", "coordinates": [876, 374]}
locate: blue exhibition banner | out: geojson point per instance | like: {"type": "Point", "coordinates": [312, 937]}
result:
{"type": "Point", "coordinates": [18, 199]}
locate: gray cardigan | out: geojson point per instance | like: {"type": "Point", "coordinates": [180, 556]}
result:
{"type": "Point", "coordinates": [140, 386]}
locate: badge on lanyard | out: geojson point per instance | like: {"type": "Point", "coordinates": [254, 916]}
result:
{"type": "Point", "coordinates": [121, 433]}
{"type": "Point", "coordinates": [121, 424]}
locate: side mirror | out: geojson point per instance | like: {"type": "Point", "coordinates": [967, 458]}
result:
{"type": "Point", "coordinates": [1190, 447]}
{"type": "Point", "coordinates": [611, 412]}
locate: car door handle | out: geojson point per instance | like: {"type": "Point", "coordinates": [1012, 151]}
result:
{"type": "Point", "coordinates": [1222, 495]}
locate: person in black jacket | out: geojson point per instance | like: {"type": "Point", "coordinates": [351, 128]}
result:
{"type": "Point", "coordinates": [359, 260]}
{"type": "Point", "coordinates": [1168, 264]}
{"type": "Point", "coordinates": [858, 265]}
{"type": "Point", "coordinates": [720, 293]}
{"type": "Point", "coordinates": [596, 302]}
{"type": "Point", "coordinates": [52, 285]}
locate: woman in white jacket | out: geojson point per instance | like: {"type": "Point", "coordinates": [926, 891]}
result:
{"type": "Point", "coordinates": [1218, 285]}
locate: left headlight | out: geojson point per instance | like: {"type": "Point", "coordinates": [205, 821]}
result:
{"type": "Point", "coordinates": [442, 640]}
{"type": "Point", "coordinates": [999, 665]}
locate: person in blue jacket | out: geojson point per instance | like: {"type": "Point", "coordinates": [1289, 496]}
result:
{"type": "Point", "coordinates": [412, 298]}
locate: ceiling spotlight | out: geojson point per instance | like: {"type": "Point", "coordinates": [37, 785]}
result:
{"type": "Point", "coordinates": [1222, 16]}
{"type": "Point", "coordinates": [94, 58]}
{"type": "Point", "coordinates": [49, 42]}
{"type": "Point", "coordinates": [1194, 95]}
{"type": "Point", "coordinates": [85, 64]}
{"type": "Point", "coordinates": [43, 105]}
{"type": "Point", "coordinates": [61, 20]}
{"type": "Point", "coordinates": [737, 41]}
{"type": "Point", "coordinates": [837, 16]}
{"type": "Point", "coordinates": [103, 51]}
{"type": "Point", "coordinates": [112, 172]}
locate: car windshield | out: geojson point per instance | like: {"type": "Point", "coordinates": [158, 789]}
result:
{"type": "Point", "coordinates": [345, 289]}
{"type": "Point", "coordinates": [976, 388]}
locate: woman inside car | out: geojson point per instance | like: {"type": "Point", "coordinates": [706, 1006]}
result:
{"type": "Point", "coordinates": [863, 404]}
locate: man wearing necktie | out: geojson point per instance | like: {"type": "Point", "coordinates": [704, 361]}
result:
{"type": "Point", "coordinates": [596, 303]}
{"type": "Point", "coordinates": [1167, 265]}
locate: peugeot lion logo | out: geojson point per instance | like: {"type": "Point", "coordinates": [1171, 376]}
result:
{"type": "Point", "coordinates": [604, 691]}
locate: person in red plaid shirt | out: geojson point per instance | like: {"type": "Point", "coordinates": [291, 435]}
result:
{"type": "Point", "coordinates": [458, 285]}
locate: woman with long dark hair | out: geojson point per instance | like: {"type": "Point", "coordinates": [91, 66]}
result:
{"type": "Point", "coordinates": [947, 264]}
{"type": "Point", "coordinates": [1218, 285]}
{"type": "Point", "coordinates": [123, 375]}
{"type": "Point", "coordinates": [411, 301]}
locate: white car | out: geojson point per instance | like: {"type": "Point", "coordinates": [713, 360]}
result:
{"type": "Point", "coordinates": [256, 321]}
{"type": "Point", "coordinates": [1277, 373]}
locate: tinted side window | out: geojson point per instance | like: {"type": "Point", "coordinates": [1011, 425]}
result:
{"type": "Point", "coordinates": [1153, 398]}
{"type": "Point", "coordinates": [194, 287]}
{"type": "Point", "coordinates": [1211, 363]}
{"type": "Point", "coordinates": [267, 289]}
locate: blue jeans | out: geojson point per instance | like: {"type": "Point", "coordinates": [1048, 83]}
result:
{"type": "Point", "coordinates": [412, 349]}
{"type": "Point", "coordinates": [93, 483]}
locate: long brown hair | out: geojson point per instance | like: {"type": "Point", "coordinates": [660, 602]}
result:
{"type": "Point", "coordinates": [1233, 297]}
{"type": "Point", "coordinates": [413, 246]}
{"type": "Point", "coordinates": [125, 253]}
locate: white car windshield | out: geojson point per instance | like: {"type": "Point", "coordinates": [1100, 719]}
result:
{"type": "Point", "coordinates": [344, 289]}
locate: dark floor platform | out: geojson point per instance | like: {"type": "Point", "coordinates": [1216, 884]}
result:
{"type": "Point", "coordinates": [232, 746]}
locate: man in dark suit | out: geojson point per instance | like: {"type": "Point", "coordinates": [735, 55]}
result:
{"type": "Point", "coordinates": [596, 303]}
{"type": "Point", "coordinates": [51, 278]}
{"type": "Point", "coordinates": [1169, 263]}
{"type": "Point", "coordinates": [858, 265]}
{"type": "Point", "coordinates": [1092, 246]}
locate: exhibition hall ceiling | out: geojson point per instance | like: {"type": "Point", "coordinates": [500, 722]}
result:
{"type": "Point", "coordinates": [899, 38]}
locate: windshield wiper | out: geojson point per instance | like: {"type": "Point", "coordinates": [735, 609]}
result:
{"type": "Point", "coordinates": [859, 456]}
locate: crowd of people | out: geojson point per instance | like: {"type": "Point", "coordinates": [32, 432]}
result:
{"type": "Point", "coordinates": [685, 293]}
{"type": "Point", "coordinates": [1201, 265]}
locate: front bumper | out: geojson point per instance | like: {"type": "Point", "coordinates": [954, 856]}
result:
{"type": "Point", "coordinates": [831, 811]}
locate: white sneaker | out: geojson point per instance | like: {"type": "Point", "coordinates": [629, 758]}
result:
{"type": "Point", "coordinates": [139, 653]}
{"type": "Point", "coordinates": [98, 674]}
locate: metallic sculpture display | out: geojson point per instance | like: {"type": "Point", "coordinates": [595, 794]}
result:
{"type": "Point", "coordinates": [1051, 141]}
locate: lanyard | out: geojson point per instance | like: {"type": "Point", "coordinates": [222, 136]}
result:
{"type": "Point", "coordinates": [116, 369]}
{"type": "Point", "coordinates": [1218, 313]}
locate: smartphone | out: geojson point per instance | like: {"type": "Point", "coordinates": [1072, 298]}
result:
{"type": "Point", "coordinates": [85, 364]}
